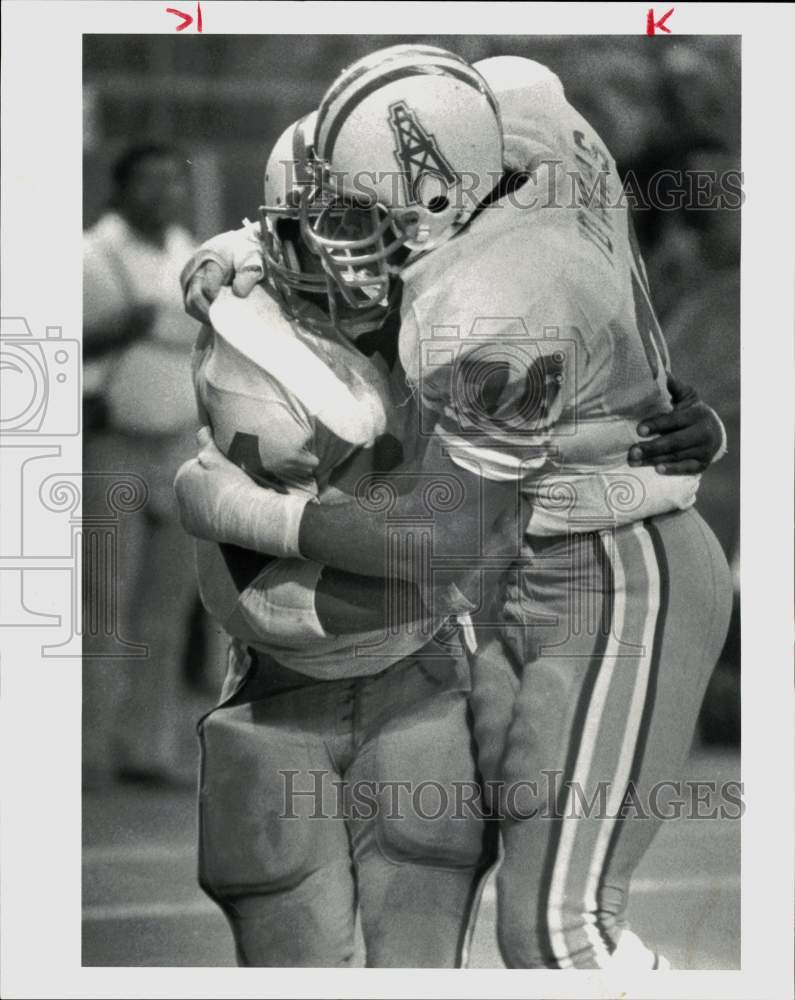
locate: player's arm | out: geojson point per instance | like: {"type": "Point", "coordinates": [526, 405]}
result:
{"type": "Point", "coordinates": [343, 602]}
{"type": "Point", "coordinates": [463, 529]}
{"type": "Point", "coordinates": [494, 411]}
{"type": "Point", "coordinates": [218, 501]}
{"type": "Point", "coordinates": [466, 483]}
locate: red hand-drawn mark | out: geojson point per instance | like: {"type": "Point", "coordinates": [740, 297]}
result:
{"type": "Point", "coordinates": [187, 19]}
{"type": "Point", "coordinates": [652, 25]}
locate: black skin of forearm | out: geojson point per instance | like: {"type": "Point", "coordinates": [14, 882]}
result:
{"type": "Point", "coordinates": [325, 531]}
{"type": "Point", "coordinates": [487, 514]}
{"type": "Point", "coordinates": [352, 538]}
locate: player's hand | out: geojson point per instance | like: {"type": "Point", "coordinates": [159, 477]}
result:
{"type": "Point", "coordinates": [202, 290]}
{"type": "Point", "coordinates": [688, 438]}
{"type": "Point", "coordinates": [203, 486]}
{"type": "Point", "coordinates": [230, 258]}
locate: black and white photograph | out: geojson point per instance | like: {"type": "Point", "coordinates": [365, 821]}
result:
{"type": "Point", "coordinates": [393, 434]}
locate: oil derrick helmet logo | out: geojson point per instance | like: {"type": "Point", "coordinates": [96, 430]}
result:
{"type": "Point", "coordinates": [419, 158]}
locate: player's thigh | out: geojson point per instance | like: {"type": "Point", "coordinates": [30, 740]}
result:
{"type": "Point", "coordinates": [423, 759]}
{"type": "Point", "coordinates": [267, 808]}
{"type": "Point", "coordinates": [274, 848]}
{"type": "Point", "coordinates": [557, 621]}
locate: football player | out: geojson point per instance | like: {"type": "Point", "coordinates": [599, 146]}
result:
{"type": "Point", "coordinates": [340, 688]}
{"type": "Point", "coordinates": [531, 395]}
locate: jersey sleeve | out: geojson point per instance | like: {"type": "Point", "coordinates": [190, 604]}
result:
{"type": "Point", "coordinates": [500, 389]}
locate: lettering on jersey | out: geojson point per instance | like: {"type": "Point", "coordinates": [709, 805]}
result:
{"type": "Point", "coordinates": [419, 157]}
{"type": "Point", "coordinates": [245, 565]}
{"type": "Point", "coordinates": [590, 194]}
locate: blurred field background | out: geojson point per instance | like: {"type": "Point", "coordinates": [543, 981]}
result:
{"type": "Point", "coordinates": [660, 104]}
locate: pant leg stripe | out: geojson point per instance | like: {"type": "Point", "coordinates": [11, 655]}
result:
{"type": "Point", "coordinates": [617, 680]}
{"type": "Point", "coordinates": [661, 561]}
{"type": "Point", "coordinates": [640, 681]}
{"type": "Point", "coordinates": [584, 729]}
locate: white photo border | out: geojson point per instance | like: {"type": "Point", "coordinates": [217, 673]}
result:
{"type": "Point", "coordinates": [40, 696]}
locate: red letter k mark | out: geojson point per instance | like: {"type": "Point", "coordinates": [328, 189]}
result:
{"type": "Point", "coordinates": [652, 25]}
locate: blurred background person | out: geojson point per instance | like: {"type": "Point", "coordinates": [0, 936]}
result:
{"type": "Point", "coordinates": [140, 418]}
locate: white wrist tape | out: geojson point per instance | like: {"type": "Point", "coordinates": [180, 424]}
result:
{"type": "Point", "coordinates": [261, 519]}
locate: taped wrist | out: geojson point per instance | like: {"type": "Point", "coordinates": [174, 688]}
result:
{"type": "Point", "coordinates": [262, 519]}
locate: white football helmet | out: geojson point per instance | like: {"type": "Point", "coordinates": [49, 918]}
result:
{"type": "Point", "coordinates": [408, 143]}
{"type": "Point", "coordinates": [307, 293]}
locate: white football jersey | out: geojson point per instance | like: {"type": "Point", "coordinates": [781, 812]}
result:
{"type": "Point", "coordinates": [301, 413]}
{"type": "Point", "coordinates": [530, 336]}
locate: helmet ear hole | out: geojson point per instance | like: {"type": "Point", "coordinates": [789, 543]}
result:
{"type": "Point", "coordinates": [439, 203]}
